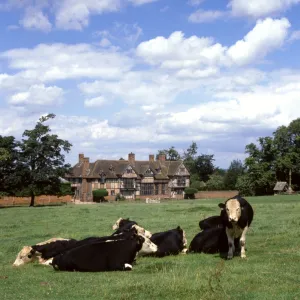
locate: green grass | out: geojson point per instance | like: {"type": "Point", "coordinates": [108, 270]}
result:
{"type": "Point", "coordinates": [271, 271]}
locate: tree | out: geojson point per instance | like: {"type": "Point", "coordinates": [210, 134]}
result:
{"type": "Point", "coordinates": [189, 157]}
{"type": "Point", "coordinates": [10, 180]}
{"type": "Point", "coordinates": [43, 159]}
{"type": "Point", "coordinates": [260, 166]}
{"type": "Point", "coordinates": [235, 170]}
{"type": "Point", "coordinates": [287, 145]}
{"type": "Point", "coordinates": [204, 166]}
{"type": "Point", "coordinates": [171, 153]}
{"type": "Point", "coordinates": [215, 182]}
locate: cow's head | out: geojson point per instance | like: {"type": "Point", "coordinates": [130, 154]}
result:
{"type": "Point", "coordinates": [117, 224]}
{"type": "Point", "coordinates": [25, 256]}
{"type": "Point", "coordinates": [233, 210]}
{"type": "Point", "coordinates": [184, 240]}
{"type": "Point", "coordinates": [148, 247]}
{"type": "Point", "coordinates": [142, 231]}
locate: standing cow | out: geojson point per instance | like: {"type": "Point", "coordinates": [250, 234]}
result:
{"type": "Point", "coordinates": [237, 215]}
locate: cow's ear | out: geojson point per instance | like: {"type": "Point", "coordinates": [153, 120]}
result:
{"type": "Point", "coordinates": [178, 227]}
{"type": "Point", "coordinates": [221, 205]}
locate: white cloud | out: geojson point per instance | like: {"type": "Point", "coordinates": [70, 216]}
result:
{"type": "Point", "coordinates": [295, 36]}
{"type": "Point", "coordinates": [259, 8]}
{"type": "Point", "coordinates": [34, 18]}
{"type": "Point", "coordinates": [60, 61]}
{"type": "Point", "coordinates": [105, 42]}
{"type": "Point", "coordinates": [195, 2]}
{"type": "Point", "coordinates": [74, 14]}
{"type": "Point", "coordinates": [95, 102]}
{"type": "Point", "coordinates": [178, 52]}
{"type": "Point", "coordinates": [206, 16]}
{"type": "Point", "coordinates": [266, 36]}
{"type": "Point", "coordinates": [13, 27]}
{"type": "Point", "coordinates": [38, 95]}
{"type": "Point", "coordinates": [141, 2]}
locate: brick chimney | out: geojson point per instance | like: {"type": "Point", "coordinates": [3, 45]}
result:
{"type": "Point", "coordinates": [151, 157]}
{"type": "Point", "coordinates": [162, 157]}
{"type": "Point", "coordinates": [86, 166]}
{"type": "Point", "coordinates": [131, 158]}
{"type": "Point", "coordinates": [84, 185]}
{"type": "Point", "coordinates": [81, 157]}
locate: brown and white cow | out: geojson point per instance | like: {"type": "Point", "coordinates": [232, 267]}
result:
{"type": "Point", "coordinates": [237, 215]}
{"type": "Point", "coordinates": [26, 255]}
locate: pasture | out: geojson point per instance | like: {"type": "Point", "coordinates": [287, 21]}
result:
{"type": "Point", "coordinates": [271, 270]}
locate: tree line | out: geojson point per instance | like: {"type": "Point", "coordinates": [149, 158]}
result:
{"type": "Point", "coordinates": [35, 164]}
{"type": "Point", "coordinates": [273, 158]}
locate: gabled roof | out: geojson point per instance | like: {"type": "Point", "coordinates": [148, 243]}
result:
{"type": "Point", "coordinates": [280, 186]}
{"type": "Point", "coordinates": [116, 168]}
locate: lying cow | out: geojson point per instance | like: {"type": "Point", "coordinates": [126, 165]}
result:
{"type": "Point", "coordinates": [139, 229]}
{"type": "Point", "coordinates": [237, 215]}
{"type": "Point", "coordinates": [122, 222]}
{"type": "Point", "coordinates": [212, 240]}
{"type": "Point", "coordinates": [50, 250]}
{"type": "Point", "coordinates": [100, 256]}
{"type": "Point", "coordinates": [170, 242]}
{"type": "Point", "coordinates": [211, 222]}
{"type": "Point", "coordinates": [26, 255]}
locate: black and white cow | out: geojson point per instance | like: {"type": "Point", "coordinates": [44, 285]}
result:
{"type": "Point", "coordinates": [52, 249]}
{"type": "Point", "coordinates": [237, 215]}
{"type": "Point", "coordinates": [27, 255]}
{"type": "Point", "coordinates": [126, 224]}
{"type": "Point", "coordinates": [100, 256]}
{"type": "Point", "coordinates": [212, 240]}
{"type": "Point", "coordinates": [122, 222]}
{"type": "Point", "coordinates": [211, 222]}
{"type": "Point", "coordinates": [170, 242]}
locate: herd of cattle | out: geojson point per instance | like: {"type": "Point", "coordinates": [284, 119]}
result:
{"type": "Point", "coordinates": [224, 234]}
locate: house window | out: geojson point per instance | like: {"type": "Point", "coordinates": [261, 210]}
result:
{"type": "Point", "coordinates": [112, 192]}
{"type": "Point", "coordinates": [147, 188]}
{"type": "Point", "coordinates": [128, 183]}
{"type": "Point", "coordinates": [156, 189]}
{"type": "Point", "coordinates": [163, 188]}
{"type": "Point", "coordinates": [181, 182]}
{"type": "Point", "coordinates": [129, 171]}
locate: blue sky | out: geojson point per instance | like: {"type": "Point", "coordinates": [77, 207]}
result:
{"type": "Point", "coordinates": [144, 75]}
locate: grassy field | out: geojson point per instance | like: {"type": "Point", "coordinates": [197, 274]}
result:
{"type": "Point", "coordinates": [271, 271]}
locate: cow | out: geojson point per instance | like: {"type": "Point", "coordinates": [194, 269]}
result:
{"type": "Point", "coordinates": [170, 242]}
{"type": "Point", "coordinates": [211, 222]}
{"type": "Point", "coordinates": [237, 215]}
{"type": "Point", "coordinates": [52, 249]}
{"type": "Point", "coordinates": [100, 256]}
{"type": "Point", "coordinates": [26, 255]}
{"type": "Point", "coordinates": [122, 222]}
{"type": "Point", "coordinates": [139, 229]}
{"type": "Point", "coordinates": [211, 240]}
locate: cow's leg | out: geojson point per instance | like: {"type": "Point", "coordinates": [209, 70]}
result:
{"type": "Point", "coordinates": [243, 242]}
{"type": "Point", "coordinates": [230, 239]}
{"type": "Point", "coordinates": [127, 267]}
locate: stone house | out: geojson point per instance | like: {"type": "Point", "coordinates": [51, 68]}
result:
{"type": "Point", "coordinates": [131, 178]}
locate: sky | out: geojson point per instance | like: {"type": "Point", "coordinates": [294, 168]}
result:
{"type": "Point", "coordinates": [138, 76]}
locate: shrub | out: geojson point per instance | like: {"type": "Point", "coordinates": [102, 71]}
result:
{"type": "Point", "coordinates": [199, 185]}
{"type": "Point", "coordinates": [189, 193]}
{"type": "Point", "coordinates": [99, 195]}
{"type": "Point", "coordinates": [120, 197]}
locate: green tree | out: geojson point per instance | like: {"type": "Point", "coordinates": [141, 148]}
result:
{"type": "Point", "coordinates": [204, 166]}
{"type": "Point", "coordinates": [245, 186]}
{"type": "Point", "coordinates": [260, 165]}
{"type": "Point", "coordinates": [10, 180]}
{"type": "Point", "coordinates": [171, 153]}
{"type": "Point", "coordinates": [235, 170]}
{"type": "Point", "coordinates": [287, 145]}
{"type": "Point", "coordinates": [215, 182]}
{"type": "Point", "coordinates": [189, 157]}
{"type": "Point", "coordinates": [43, 160]}
{"type": "Point", "coordinates": [99, 195]}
